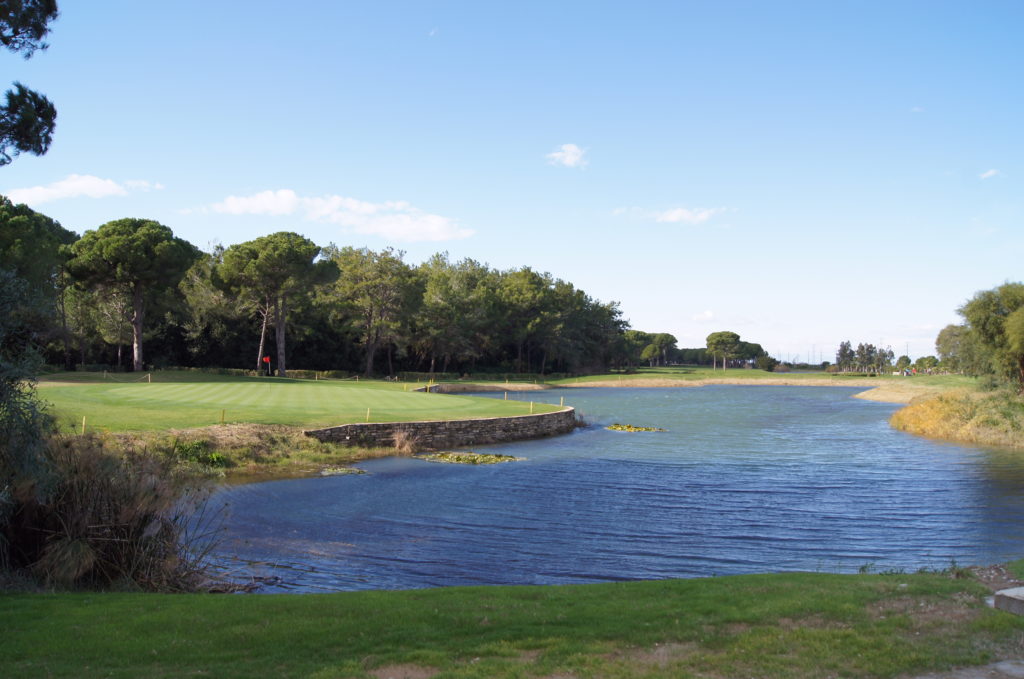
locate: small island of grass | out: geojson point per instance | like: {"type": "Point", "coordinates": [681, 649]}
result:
{"type": "Point", "coordinates": [631, 428]}
{"type": "Point", "coordinates": [469, 457]}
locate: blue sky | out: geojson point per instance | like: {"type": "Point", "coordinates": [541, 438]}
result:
{"type": "Point", "coordinates": [801, 173]}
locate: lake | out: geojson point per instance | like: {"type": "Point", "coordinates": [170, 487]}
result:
{"type": "Point", "coordinates": [746, 479]}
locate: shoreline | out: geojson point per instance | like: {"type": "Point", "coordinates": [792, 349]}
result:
{"type": "Point", "coordinates": [282, 458]}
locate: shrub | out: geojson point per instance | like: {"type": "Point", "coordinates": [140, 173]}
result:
{"type": "Point", "coordinates": [99, 519]}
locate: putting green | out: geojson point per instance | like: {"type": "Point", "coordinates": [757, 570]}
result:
{"type": "Point", "coordinates": [139, 406]}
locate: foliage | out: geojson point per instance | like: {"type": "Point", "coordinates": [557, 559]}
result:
{"type": "Point", "coordinates": [140, 257]}
{"type": "Point", "coordinates": [469, 458]}
{"type": "Point", "coordinates": [23, 421]}
{"type": "Point", "coordinates": [993, 418]}
{"type": "Point", "coordinates": [631, 428]}
{"type": "Point", "coordinates": [272, 270]}
{"type": "Point", "coordinates": [766, 363]}
{"type": "Point", "coordinates": [27, 118]}
{"type": "Point", "coordinates": [723, 344]}
{"type": "Point", "coordinates": [98, 519]}
{"type": "Point", "coordinates": [996, 321]}
{"type": "Point", "coordinates": [866, 358]}
{"type": "Point", "coordinates": [381, 289]}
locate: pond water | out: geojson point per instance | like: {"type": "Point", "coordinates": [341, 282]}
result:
{"type": "Point", "coordinates": [746, 479]}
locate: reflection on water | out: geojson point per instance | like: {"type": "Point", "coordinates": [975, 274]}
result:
{"type": "Point", "coordinates": [747, 479]}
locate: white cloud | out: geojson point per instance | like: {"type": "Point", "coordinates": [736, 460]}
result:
{"type": "Point", "coordinates": [568, 155]}
{"type": "Point", "coordinates": [677, 215]}
{"type": "Point", "coordinates": [143, 185]}
{"type": "Point", "coordinates": [988, 174]}
{"type": "Point", "coordinates": [394, 220]}
{"type": "Point", "coordinates": [77, 186]}
{"type": "Point", "coordinates": [283, 202]}
{"type": "Point", "coordinates": [688, 215]}
{"type": "Point", "coordinates": [703, 317]}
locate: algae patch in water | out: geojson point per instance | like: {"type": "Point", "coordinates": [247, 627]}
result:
{"type": "Point", "coordinates": [340, 471]}
{"type": "Point", "coordinates": [469, 458]}
{"type": "Point", "coordinates": [630, 427]}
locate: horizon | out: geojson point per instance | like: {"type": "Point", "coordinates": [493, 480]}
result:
{"type": "Point", "coordinates": [801, 174]}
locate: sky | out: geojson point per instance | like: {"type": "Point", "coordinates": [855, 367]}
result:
{"type": "Point", "coordinates": [801, 173]}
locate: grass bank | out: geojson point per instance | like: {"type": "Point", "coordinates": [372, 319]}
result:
{"type": "Point", "coordinates": [784, 625]}
{"type": "Point", "coordinates": [994, 418]}
{"type": "Point", "coordinates": [249, 427]}
{"type": "Point", "coordinates": [181, 400]}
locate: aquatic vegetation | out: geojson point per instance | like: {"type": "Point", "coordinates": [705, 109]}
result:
{"type": "Point", "coordinates": [470, 458]}
{"type": "Point", "coordinates": [630, 427]}
{"type": "Point", "coordinates": [340, 471]}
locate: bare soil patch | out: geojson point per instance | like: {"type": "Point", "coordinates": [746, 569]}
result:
{"type": "Point", "coordinates": [404, 672]}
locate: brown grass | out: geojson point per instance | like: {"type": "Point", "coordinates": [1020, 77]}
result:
{"type": "Point", "coordinates": [405, 442]}
{"type": "Point", "coordinates": [256, 451]}
{"type": "Point", "coordinates": [990, 419]}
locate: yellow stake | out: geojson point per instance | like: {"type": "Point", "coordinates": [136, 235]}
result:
{"type": "Point", "coordinates": [561, 401]}
{"type": "Point", "coordinates": [83, 424]}
{"type": "Point", "coordinates": [531, 407]}
{"type": "Point", "coordinates": [222, 416]}
{"type": "Point", "coordinates": [367, 414]}
{"type": "Point", "coordinates": [506, 395]}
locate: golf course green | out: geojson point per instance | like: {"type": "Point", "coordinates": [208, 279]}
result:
{"type": "Point", "coordinates": [184, 400]}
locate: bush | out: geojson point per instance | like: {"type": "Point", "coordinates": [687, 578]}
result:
{"type": "Point", "coordinates": [98, 519]}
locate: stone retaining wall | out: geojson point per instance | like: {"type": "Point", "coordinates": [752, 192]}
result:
{"type": "Point", "coordinates": [446, 434]}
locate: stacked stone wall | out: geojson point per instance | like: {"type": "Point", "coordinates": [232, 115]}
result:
{"type": "Point", "coordinates": [446, 434]}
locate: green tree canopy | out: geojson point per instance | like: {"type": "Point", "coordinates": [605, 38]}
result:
{"type": "Point", "coordinates": [32, 245]}
{"type": "Point", "coordinates": [140, 256]}
{"type": "Point", "coordinates": [994, 321]}
{"type": "Point", "coordinates": [724, 344]}
{"type": "Point", "coordinates": [381, 289]}
{"type": "Point", "coordinates": [27, 118]}
{"type": "Point", "coordinates": [272, 270]}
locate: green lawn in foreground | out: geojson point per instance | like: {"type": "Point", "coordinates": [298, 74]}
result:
{"type": "Point", "coordinates": [785, 625]}
{"type": "Point", "coordinates": [181, 400]}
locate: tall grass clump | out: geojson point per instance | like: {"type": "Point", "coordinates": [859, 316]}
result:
{"type": "Point", "coordinates": [994, 418]}
{"type": "Point", "coordinates": [72, 511]}
{"type": "Point", "coordinates": [97, 519]}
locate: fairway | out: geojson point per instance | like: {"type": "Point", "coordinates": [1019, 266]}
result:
{"type": "Point", "coordinates": [165, 404]}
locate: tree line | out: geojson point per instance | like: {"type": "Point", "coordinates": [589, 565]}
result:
{"type": "Point", "coordinates": [990, 341]}
{"type": "Point", "coordinates": [130, 294]}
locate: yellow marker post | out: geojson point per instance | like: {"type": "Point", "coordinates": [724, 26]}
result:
{"type": "Point", "coordinates": [83, 424]}
{"type": "Point", "coordinates": [531, 407]}
{"type": "Point", "coordinates": [561, 401]}
{"type": "Point", "coordinates": [222, 416]}
{"type": "Point", "coordinates": [367, 414]}
{"type": "Point", "coordinates": [506, 395]}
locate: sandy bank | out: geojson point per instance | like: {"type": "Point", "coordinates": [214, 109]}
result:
{"type": "Point", "coordinates": [884, 390]}
{"type": "Point", "coordinates": [468, 387]}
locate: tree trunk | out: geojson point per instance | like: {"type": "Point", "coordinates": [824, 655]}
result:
{"type": "Point", "coordinates": [371, 349]}
{"type": "Point", "coordinates": [263, 337]}
{"type": "Point", "coordinates": [432, 359]}
{"type": "Point", "coordinates": [280, 313]}
{"type": "Point", "coordinates": [137, 312]}
{"type": "Point", "coordinates": [391, 368]}
{"type": "Point", "coordinates": [65, 335]}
